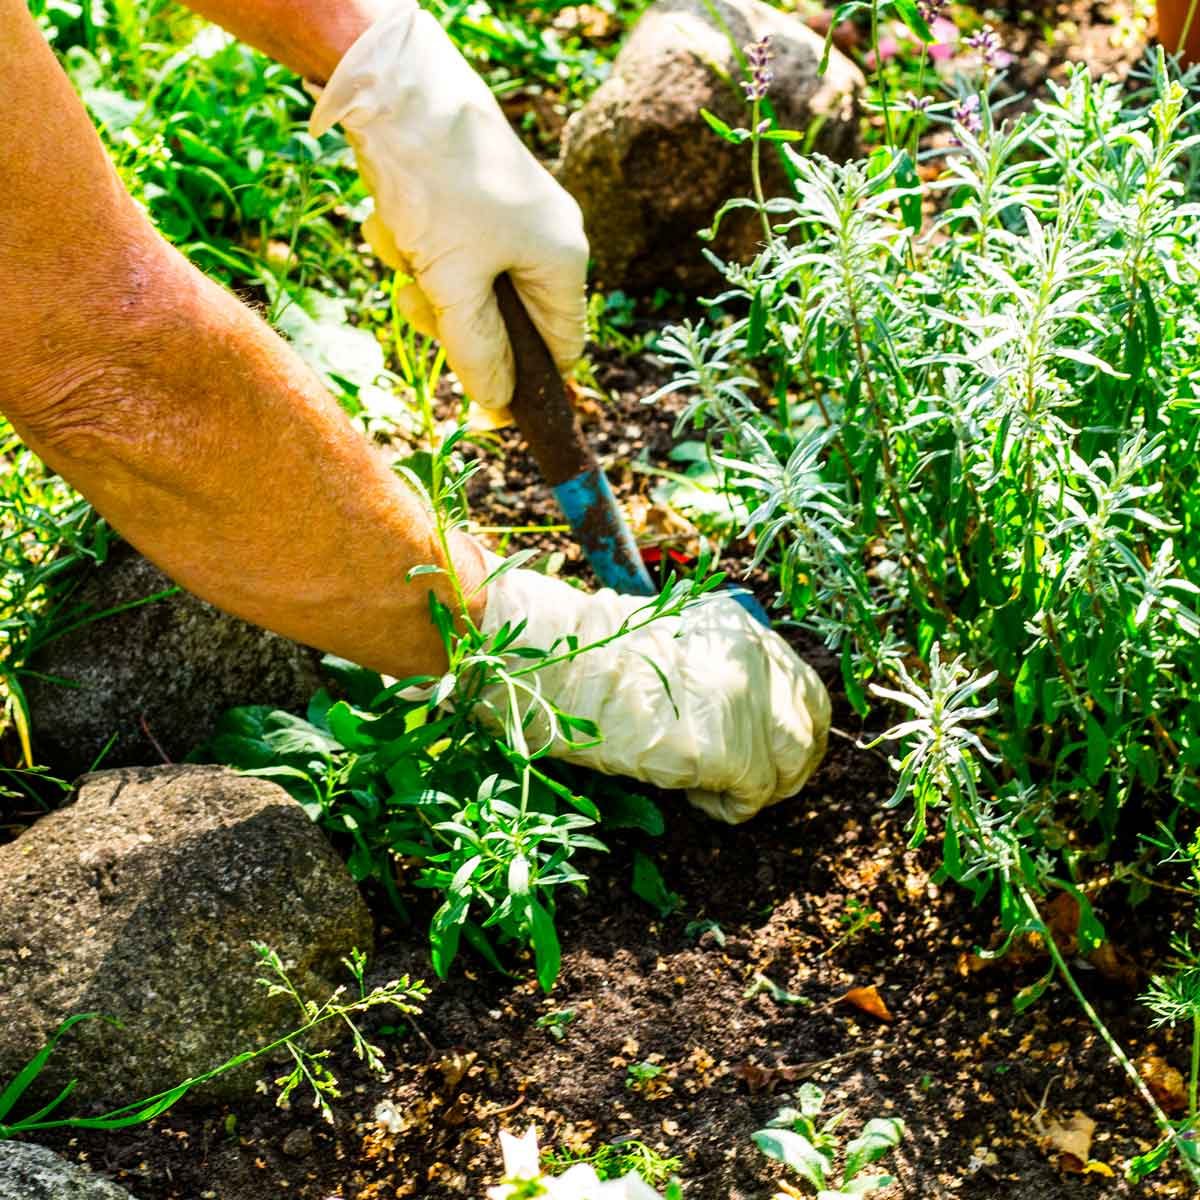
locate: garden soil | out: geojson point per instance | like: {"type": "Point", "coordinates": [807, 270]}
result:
{"type": "Point", "coordinates": [747, 989]}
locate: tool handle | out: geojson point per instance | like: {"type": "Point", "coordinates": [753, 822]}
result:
{"type": "Point", "coordinates": [540, 406]}
{"type": "Point", "coordinates": [547, 421]}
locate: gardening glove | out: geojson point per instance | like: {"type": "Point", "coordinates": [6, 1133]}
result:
{"type": "Point", "coordinates": [458, 200]}
{"type": "Point", "coordinates": [744, 725]}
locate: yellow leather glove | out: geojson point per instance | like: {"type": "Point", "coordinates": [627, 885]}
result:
{"type": "Point", "coordinates": [749, 719]}
{"type": "Point", "coordinates": [458, 200]}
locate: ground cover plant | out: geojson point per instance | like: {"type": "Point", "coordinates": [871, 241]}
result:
{"type": "Point", "coordinates": [954, 420]}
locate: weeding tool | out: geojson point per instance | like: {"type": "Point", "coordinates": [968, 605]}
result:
{"type": "Point", "coordinates": [544, 415]}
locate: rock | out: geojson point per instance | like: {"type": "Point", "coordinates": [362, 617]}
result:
{"type": "Point", "coordinates": [298, 1143]}
{"type": "Point", "coordinates": [649, 173]}
{"type": "Point", "coordinates": [29, 1172]}
{"type": "Point", "coordinates": [170, 667]}
{"type": "Point", "coordinates": [139, 900]}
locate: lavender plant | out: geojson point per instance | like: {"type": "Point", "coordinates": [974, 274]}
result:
{"type": "Point", "coordinates": [967, 447]}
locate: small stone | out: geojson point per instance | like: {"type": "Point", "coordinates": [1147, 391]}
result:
{"type": "Point", "coordinates": [150, 681]}
{"type": "Point", "coordinates": [298, 1144]}
{"type": "Point", "coordinates": [29, 1172]}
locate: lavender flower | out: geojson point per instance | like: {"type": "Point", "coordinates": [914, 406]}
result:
{"type": "Point", "coordinates": [967, 114]}
{"type": "Point", "coordinates": [758, 55]}
{"type": "Point", "coordinates": [917, 104]}
{"type": "Point", "coordinates": [986, 43]}
{"type": "Point", "coordinates": [930, 10]}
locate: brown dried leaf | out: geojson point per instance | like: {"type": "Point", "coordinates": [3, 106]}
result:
{"type": "Point", "coordinates": [868, 1000]}
{"type": "Point", "coordinates": [1166, 1084]}
{"type": "Point", "coordinates": [454, 1067]}
{"type": "Point", "coordinates": [1070, 1141]}
{"type": "Point", "coordinates": [765, 1079]}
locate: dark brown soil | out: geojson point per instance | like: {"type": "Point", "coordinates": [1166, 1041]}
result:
{"type": "Point", "coordinates": [978, 1086]}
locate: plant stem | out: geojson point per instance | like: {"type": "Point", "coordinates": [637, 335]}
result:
{"type": "Point", "coordinates": [883, 96]}
{"type": "Point", "coordinates": [756, 168]}
{"type": "Point", "coordinates": [1194, 1078]}
{"type": "Point", "coordinates": [1111, 1042]}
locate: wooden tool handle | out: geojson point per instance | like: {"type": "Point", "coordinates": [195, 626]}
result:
{"type": "Point", "coordinates": [540, 406]}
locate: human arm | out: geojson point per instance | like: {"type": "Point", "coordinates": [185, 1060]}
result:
{"type": "Point", "coordinates": [184, 419]}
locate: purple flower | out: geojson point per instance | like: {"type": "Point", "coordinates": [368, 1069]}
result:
{"type": "Point", "coordinates": [758, 58]}
{"type": "Point", "coordinates": [930, 10]}
{"type": "Point", "coordinates": [986, 43]}
{"type": "Point", "coordinates": [967, 114]}
{"type": "Point", "coordinates": [917, 104]}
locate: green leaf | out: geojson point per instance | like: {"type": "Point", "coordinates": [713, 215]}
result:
{"type": "Point", "coordinates": [910, 15]}
{"type": "Point", "coordinates": [631, 810]}
{"type": "Point", "coordinates": [736, 136]}
{"type": "Point", "coordinates": [1097, 749]}
{"type": "Point", "coordinates": [546, 949]}
{"type": "Point", "coordinates": [795, 1151]}
{"type": "Point", "coordinates": [648, 885]}
{"type": "Point", "coordinates": [878, 1136]}
{"type": "Point", "coordinates": [20, 1083]}
{"type": "Point", "coordinates": [1146, 1164]}
{"type": "Point", "coordinates": [1033, 993]}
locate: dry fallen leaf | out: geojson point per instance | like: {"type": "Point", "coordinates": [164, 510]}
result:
{"type": "Point", "coordinates": [1071, 1141]}
{"type": "Point", "coordinates": [454, 1066]}
{"type": "Point", "coordinates": [1166, 1084]}
{"type": "Point", "coordinates": [765, 1079]}
{"type": "Point", "coordinates": [868, 1000]}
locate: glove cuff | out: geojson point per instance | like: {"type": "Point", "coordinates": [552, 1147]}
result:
{"type": "Point", "coordinates": [374, 64]}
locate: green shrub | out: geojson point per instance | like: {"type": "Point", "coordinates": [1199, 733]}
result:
{"type": "Point", "coordinates": [967, 450]}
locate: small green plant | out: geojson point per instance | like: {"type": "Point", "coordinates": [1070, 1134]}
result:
{"type": "Point", "coordinates": [555, 1023]}
{"type": "Point", "coordinates": [811, 1151]}
{"type": "Point", "coordinates": [637, 1075]}
{"type": "Point", "coordinates": [616, 1159]}
{"type": "Point", "coordinates": [309, 1067]}
{"type": "Point", "coordinates": [565, 1177]}
{"type": "Point", "coordinates": [856, 920]}
{"type": "Point", "coordinates": [1173, 998]}
{"type": "Point", "coordinates": [423, 781]}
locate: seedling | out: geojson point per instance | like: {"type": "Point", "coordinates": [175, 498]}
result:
{"type": "Point", "coordinates": [810, 1151]}
{"type": "Point", "coordinates": [617, 1158]}
{"type": "Point", "coordinates": [555, 1023]}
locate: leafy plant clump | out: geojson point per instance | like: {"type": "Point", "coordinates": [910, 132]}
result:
{"type": "Point", "coordinates": [442, 782]}
{"type": "Point", "coordinates": [810, 1151]}
{"type": "Point", "coordinates": [966, 446]}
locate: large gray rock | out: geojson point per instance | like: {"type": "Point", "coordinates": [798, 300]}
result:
{"type": "Point", "coordinates": [30, 1172]}
{"type": "Point", "coordinates": [646, 169]}
{"type": "Point", "coordinates": [139, 901]}
{"type": "Point", "coordinates": [160, 672]}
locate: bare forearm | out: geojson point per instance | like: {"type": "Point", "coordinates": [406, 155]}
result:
{"type": "Point", "coordinates": [179, 414]}
{"type": "Point", "coordinates": [309, 36]}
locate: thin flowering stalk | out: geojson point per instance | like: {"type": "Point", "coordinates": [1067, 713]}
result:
{"type": "Point", "coordinates": [758, 57]}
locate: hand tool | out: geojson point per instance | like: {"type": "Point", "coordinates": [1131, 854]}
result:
{"type": "Point", "coordinates": [546, 420]}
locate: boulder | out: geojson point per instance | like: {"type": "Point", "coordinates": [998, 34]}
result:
{"type": "Point", "coordinates": [156, 675]}
{"type": "Point", "coordinates": [139, 900]}
{"type": "Point", "coordinates": [649, 173]}
{"type": "Point", "coordinates": [30, 1172]}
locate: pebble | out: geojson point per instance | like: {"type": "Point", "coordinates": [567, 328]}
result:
{"type": "Point", "coordinates": [298, 1144]}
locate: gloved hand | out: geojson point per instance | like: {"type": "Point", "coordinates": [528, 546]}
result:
{"type": "Point", "coordinates": [458, 200]}
{"type": "Point", "coordinates": [752, 721]}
